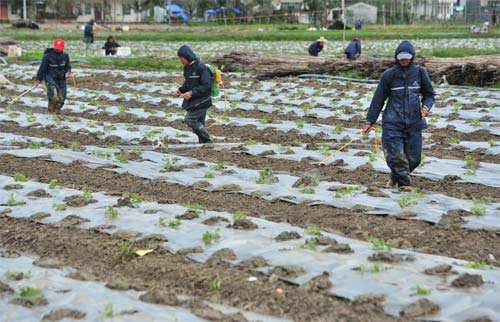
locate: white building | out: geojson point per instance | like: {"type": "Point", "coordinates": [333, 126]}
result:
{"type": "Point", "coordinates": [112, 11]}
{"type": "Point", "coordinates": [361, 11]}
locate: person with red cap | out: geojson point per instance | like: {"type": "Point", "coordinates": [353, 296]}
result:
{"type": "Point", "coordinates": [54, 70]}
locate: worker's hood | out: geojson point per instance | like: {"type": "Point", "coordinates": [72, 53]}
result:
{"type": "Point", "coordinates": [405, 47]}
{"type": "Point", "coordinates": [186, 52]}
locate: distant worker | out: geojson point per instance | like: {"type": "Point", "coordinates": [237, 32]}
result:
{"type": "Point", "coordinates": [196, 92]}
{"type": "Point", "coordinates": [358, 24]}
{"type": "Point", "coordinates": [54, 70]}
{"type": "Point", "coordinates": [411, 97]}
{"type": "Point", "coordinates": [88, 34]}
{"type": "Point", "coordinates": [353, 50]}
{"type": "Point", "coordinates": [110, 46]}
{"type": "Point", "coordinates": [316, 47]}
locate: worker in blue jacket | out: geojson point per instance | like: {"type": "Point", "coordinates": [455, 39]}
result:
{"type": "Point", "coordinates": [353, 50]}
{"type": "Point", "coordinates": [316, 47]}
{"type": "Point", "coordinates": [411, 96]}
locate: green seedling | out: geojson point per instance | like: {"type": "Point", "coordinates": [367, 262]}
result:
{"type": "Point", "coordinates": [482, 264]}
{"type": "Point", "coordinates": [347, 191]}
{"type": "Point", "coordinates": [311, 244]}
{"type": "Point", "coordinates": [162, 222]}
{"type": "Point", "coordinates": [410, 199]}
{"type": "Point", "coordinates": [339, 128]}
{"type": "Point", "coordinates": [60, 206]}
{"type": "Point", "coordinates": [109, 128]}
{"type": "Point", "coordinates": [492, 143]}
{"type": "Point", "coordinates": [307, 190]}
{"type": "Point", "coordinates": [168, 162]}
{"type": "Point", "coordinates": [174, 223]}
{"type": "Point", "coordinates": [313, 230]}
{"type": "Point", "coordinates": [135, 199]}
{"type": "Point", "coordinates": [30, 118]}
{"type": "Point", "coordinates": [374, 269]}
{"type": "Point", "coordinates": [372, 157]}
{"type": "Point", "coordinates": [219, 166]}
{"type": "Point", "coordinates": [453, 141]}
{"type": "Point", "coordinates": [474, 123]}
{"type": "Point", "coordinates": [433, 118]}
{"type": "Point", "coordinates": [136, 153]}
{"type": "Point", "coordinates": [53, 184]}
{"type": "Point", "coordinates": [29, 292]}
{"type": "Point", "coordinates": [209, 175]}
{"type": "Point", "coordinates": [35, 145]}
{"type": "Point", "coordinates": [20, 177]}
{"type": "Point", "coordinates": [248, 142]}
{"type": "Point", "coordinates": [325, 149]}
{"type": "Point", "coordinates": [194, 207]}
{"type": "Point", "coordinates": [121, 158]}
{"type": "Point", "coordinates": [111, 212]}
{"type": "Point", "coordinates": [152, 134]}
{"type": "Point", "coordinates": [125, 251]}
{"type": "Point", "coordinates": [87, 194]}
{"type": "Point", "coordinates": [239, 215]}
{"type": "Point", "coordinates": [299, 123]}
{"type": "Point", "coordinates": [265, 176]}
{"type": "Point", "coordinates": [471, 164]}
{"type": "Point", "coordinates": [109, 311]}
{"type": "Point", "coordinates": [215, 284]}
{"type": "Point", "coordinates": [297, 142]}
{"type": "Point", "coordinates": [418, 290]}
{"type": "Point", "coordinates": [75, 146]}
{"type": "Point", "coordinates": [380, 244]}
{"type": "Point", "coordinates": [13, 115]}
{"type": "Point", "coordinates": [457, 107]}
{"type": "Point", "coordinates": [13, 201]}
{"type": "Point", "coordinates": [210, 236]}
{"type": "Point", "coordinates": [478, 211]}
{"type": "Point", "coordinates": [58, 146]}
{"type": "Point", "coordinates": [16, 276]}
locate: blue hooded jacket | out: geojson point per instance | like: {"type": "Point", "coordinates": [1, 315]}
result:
{"type": "Point", "coordinates": [198, 80]}
{"type": "Point", "coordinates": [315, 48]}
{"type": "Point", "coordinates": [353, 49]}
{"type": "Point", "coordinates": [407, 88]}
{"type": "Point", "coordinates": [54, 65]}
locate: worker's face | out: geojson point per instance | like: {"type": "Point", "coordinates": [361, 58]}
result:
{"type": "Point", "coordinates": [404, 62]}
{"type": "Point", "coordinates": [184, 61]}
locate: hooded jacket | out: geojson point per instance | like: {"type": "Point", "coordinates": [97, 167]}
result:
{"type": "Point", "coordinates": [315, 48]}
{"type": "Point", "coordinates": [353, 49]}
{"type": "Point", "coordinates": [198, 80]}
{"type": "Point", "coordinates": [408, 89]}
{"type": "Point", "coordinates": [54, 65]}
{"type": "Point", "coordinates": [88, 31]}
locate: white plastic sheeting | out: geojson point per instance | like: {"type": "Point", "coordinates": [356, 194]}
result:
{"type": "Point", "coordinates": [397, 281]}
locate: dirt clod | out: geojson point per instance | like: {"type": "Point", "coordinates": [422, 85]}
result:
{"type": "Point", "coordinates": [244, 224]}
{"type": "Point", "coordinates": [60, 314]}
{"type": "Point", "coordinates": [188, 215]}
{"type": "Point", "coordinates": [39, 193]}
{"type": "Point", "coordinates": [440, 270]}
{"type": "Point", "coordinates": [388, 257]}
{"type": "Point", "coordinates": [78, 201]}
{"type": "Point", "coordinates": [214, 220]}
{"type": "Point", "coordinates": [319, 283]}
{"type": "Point", "coordinates": [5, 288]}
{"type": "Point", "coordinates": [40, 216]}
{"type": "Point", "coordinates": [29, 302]}
{"type": "Point", "coordinates": [288, 235]}
{"type": "Point", "coordinates": [288, 271]}
{"type": "Point", "coordinates": [71, 220]}
{"type": "Point", "coordinates": [422, 307]}
{"type": "Point", "coordinates": [47, 262]}
{"type": "Point", "coordinates": [467, 280]}
{"type": "Point", "coordinates": [253, 262]}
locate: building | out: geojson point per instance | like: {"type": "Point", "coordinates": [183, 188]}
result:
{"type": "Point", "coordinates": [433, 9]}
{"type": "Point", "coordinates": [10, 10]}
{"type": "Point", "coordinates": [107, 11]}
{"type": "Point", "coordinates": [361, 11]}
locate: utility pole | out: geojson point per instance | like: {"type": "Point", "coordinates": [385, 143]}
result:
{"type": "Point", "coordinates": [343, 19]}
{"type": "Point", "coordinates": [25, 13]}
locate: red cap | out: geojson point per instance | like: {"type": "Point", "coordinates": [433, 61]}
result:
{"type": "Point", "coordinates": [59, 44]}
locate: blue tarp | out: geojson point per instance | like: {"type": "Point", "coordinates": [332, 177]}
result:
{"type": "Point", "coordinates": [177, 11]}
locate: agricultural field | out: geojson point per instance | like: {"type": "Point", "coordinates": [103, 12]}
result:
{"type": "Point", "coordinates": [425, 47]}
{"type": "Point", "coordinates": [112, 210]}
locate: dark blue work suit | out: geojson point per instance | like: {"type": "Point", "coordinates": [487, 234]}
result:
{"type": "Point", "coordinates": [408, 89]}
{"type": "Point", "coordinates": [353, 50]}
{"type": "Point", "coordinates": [198, 80]}
{"type": "Point", "coordinates": [53, 71]}
{"type": "Point", "coordinates": [315, 48]}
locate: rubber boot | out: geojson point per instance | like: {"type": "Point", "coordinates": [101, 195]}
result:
{"type": "Point", "coordinates": [51, 106]}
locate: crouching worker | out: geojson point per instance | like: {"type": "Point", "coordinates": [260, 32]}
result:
{"type": "Point", "coordinates": [110, 46]}
{"type": "Point", "coordinates": [411, 97]}
{"type": "Point", "coordinates": [54, 70]}
{"type": "Point", "coordinates": [316, 47]}
{"type": "Point", "coordinates": [196, 92]}
{"type": "Point", "coordinates": [353, 50]}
